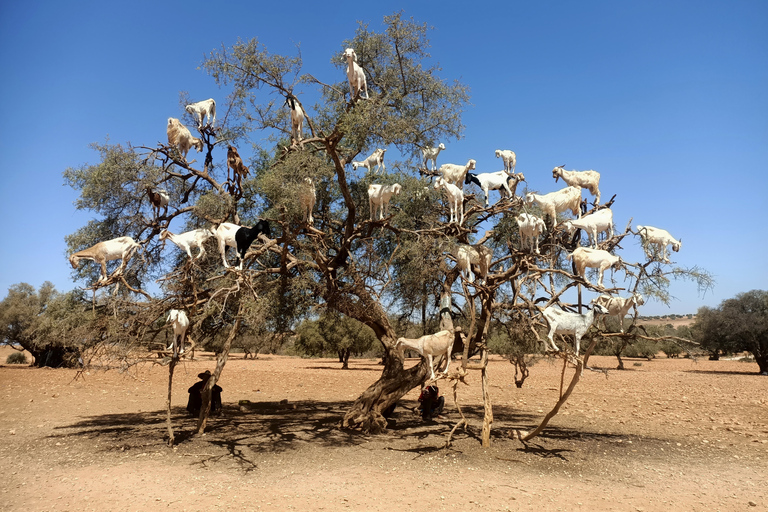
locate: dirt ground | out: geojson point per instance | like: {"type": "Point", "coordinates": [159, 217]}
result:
{"type": "Point", "coordinates": [667, 434]}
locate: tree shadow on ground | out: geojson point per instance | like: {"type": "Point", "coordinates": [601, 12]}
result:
{"type": "Point", "coordinates": [724, 372]}
{"type": "Point", "coordinates": [241, 434]}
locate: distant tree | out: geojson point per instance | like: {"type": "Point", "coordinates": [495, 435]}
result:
{"type": "Point", "coordinates": [737, 324]}
{"type": "Point", "coordinates": [52, 326]}
{"type": "Point", "coordinates": [334, 334]}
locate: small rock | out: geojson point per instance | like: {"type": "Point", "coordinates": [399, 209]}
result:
{"type": "Point", "coordinates": [752, 504]}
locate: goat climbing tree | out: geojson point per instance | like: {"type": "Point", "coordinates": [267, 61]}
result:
{"type": "Point", "coordinates": [343, 261]}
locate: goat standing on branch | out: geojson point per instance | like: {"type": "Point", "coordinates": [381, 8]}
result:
{"type": "Point", "coordinates": [158, 200]}
{"type": "Point", "coordinates": [121, 248]}
{"type": "Point", "coordinates": [584, 257]}
{"type": "Point", "coordinates": [594, 224]}
{"type": "Point", "coordinates": [297, 117]}
{"type": "Point", "coordinates": [478, 255]}
{"type": "Point", "coordinates": [431, 154]}
{"type": "Point", "coordinates": [660, 238]}
{"type": "Point", "coordinates": [180, 323]}
{"type": "Point", "coordinates": [376, 160]}
{"type": "Point", "coordinates": [509, 158]}
{"type": "Point", "coordinates": [355, 74]}
{"type": "Point", "coordinates": [501, 181]}
{"type": "Point", "coordinates": [307, 198]}
{"type": "Point", "coordinates": [589, 180]}
{"type": "Point", "coordinates": [564, 322]}
{"type": "Point", "coordinates": [186, 241]}
{"type": "Point", "coordinates": [235, 163]}
{"type": "Point", "coordinates": [379, 197]}
{"type": "Point", "coordinates": [455, 200]}
{"type": "Point", "coordinates": [239, 237]}
{"type": "Point", "coordinates": [201, 109]}
{"type": "Point", "coordinates": [438, 344]}
{"type": "Point", "coordinates": [619, 306]}
{"type": "Point", "coordinates": [568, 198]}
{"type": "Point", "coordinates": [180, 137]}
{"type": "Point", "coordinates": [456, 174]}
{"type": "Point", "coordinates": [530, 228]}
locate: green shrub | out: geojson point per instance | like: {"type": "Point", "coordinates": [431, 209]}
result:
{"type": "Point", "coordinates": [16, 358]}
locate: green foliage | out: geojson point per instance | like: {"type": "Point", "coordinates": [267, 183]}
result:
{"type": "Point", "coordinates": [737, 324]}
{"type": "Point", "coordinates": [16, 358]}
{"type": "Point", "coordinates": [333, 333]}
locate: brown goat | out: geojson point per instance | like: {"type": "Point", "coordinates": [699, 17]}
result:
{"type": "Point", "coordinates": [236, 163]}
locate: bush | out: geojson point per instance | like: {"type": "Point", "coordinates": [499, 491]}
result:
{"type": "Point", "coordinates": [16, 358]}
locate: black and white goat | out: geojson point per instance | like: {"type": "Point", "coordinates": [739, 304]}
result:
{"type": "Point", "coordinates": [239, 237]}
{"type": "Point", "coordinates": [297, 117]}
{"type": "Point", "coordinates": [506, 184]}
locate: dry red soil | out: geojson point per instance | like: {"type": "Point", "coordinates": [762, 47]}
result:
{"type": "Point", "coordinates": [666, 434]}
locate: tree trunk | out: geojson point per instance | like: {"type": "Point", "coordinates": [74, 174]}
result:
{"type": "Point", "coordinates": [762, 362]}
{"type": "Point", "coordinates": [54, 357]}
{"type": "Point", "coordinates": [345, 358]}
{"type": "Point", "coordinates": [395, 381]}
{"type": "Point", "coordinates": [168, 423]}
{"type": "Point", "coordinates": [223, 355]}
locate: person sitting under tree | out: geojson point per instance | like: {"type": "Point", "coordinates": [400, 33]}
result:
{"type": "Point", "coordinates": [195, 402]}
{"type": "Point", "coordinates": [431, 403]}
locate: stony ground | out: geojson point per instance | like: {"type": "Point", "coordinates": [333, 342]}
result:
{"type": "Point", "coordinates": [663, 435]}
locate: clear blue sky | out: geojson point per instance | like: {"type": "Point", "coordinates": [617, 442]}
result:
{"type": "Point", "coordinates": [668, 100]}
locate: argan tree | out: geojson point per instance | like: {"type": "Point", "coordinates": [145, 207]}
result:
{"type": "Point", "coordinates": [364, 270]}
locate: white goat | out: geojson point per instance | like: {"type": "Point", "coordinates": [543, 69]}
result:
{"type": "Point", "coordinates": [297, 117]}
{"type": "Point", "coordinates": [501, 181]}
{"type": "Point", "coordinates": [202, 109]}
{"type": "Point", "coordinates": [379, 197]}
{"type": "Point", "coordinates": [180, 136]}
{"type": "Point", "coordinates": [307, 199]}
{"type": "Point", "coordinates": [375, 160]}
{"type": "Point", "coordinates": [179, 321]}
{"type": "Point", "coordinates": [355, 74]}
{"type": "Point", "coordinates": [438, 344]}
{"type": "Point", "coordinates": [659, 238]}
{"type": "Point", "coordinates": [530, 228]}
{"type": "Point", "coordinates": [186, 241]}
{"type": "Point", "coordinates": [584, 257]}
{"type": "Point", "coordinates": [455, 200]}
{"type": "Point", "coordinates": [594, 224]}
{"type": "Point", "coordinates": [619, 306]}
{"type": "Point", "coordinates": [121, 248]}
{"type": "Point", "coordinates": [431, 154]}
{"type": "Point", "coordinates": [468, 255]}
{"type": "Point", "coordinates": [564, 322]}
{"type": "Point", "coordinates": [589, 180]}
{"type": "Point", "coordinates": [509, 158]}
{"type": "Point", "coordinates": [568, 198]}
{"type": "Point", "coordinates": [456, 174]}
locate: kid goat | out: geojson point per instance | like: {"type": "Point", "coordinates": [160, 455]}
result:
{"type": "Point", "coordinates": [186, 241]}
{"type": "Point", "coordinates": [240, 238]}
{"type": "Point", "coordinates": [438, 344]}
{"type": "Point", "coordinates": [564, 322]}
{"type": "Point", "coordinates": [379, 197]}
{"type": "Point", "coordinates": [121, 248]}
{"type": "Point", "coordinates": [584, 257]}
